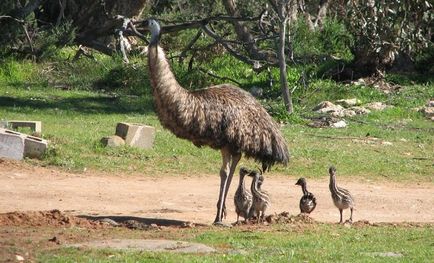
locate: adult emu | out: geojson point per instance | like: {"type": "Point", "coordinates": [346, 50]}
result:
{"type": "Point", "coordinates": [223, 117]}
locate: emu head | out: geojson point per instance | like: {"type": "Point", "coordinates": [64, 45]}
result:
{"type": "Point", "coordinates": [155, 29]}
{"type": "Point", "coordinates": [332, 170]}
{"type": "Point", "coordinates": [301, 182]}
{"type": "Point", "coordinates": [244, 171]}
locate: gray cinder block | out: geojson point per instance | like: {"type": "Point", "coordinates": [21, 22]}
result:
{"type": "Point", "coordinates": [11, 144]}
{"type": "Point", "coordinates": [137, 135]}
{"type": "Point", "coordinates": [35, 126]}
{"type": "Point", "coordinates": [34, 147]}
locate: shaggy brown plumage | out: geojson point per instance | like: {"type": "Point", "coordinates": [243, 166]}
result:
{"type": "Point", "coordinates": [223, 117]}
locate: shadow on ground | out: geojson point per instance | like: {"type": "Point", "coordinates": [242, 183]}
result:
{"type": "Point", "coordinates": [140, 221]}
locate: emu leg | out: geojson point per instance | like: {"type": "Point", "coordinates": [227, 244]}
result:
{"type": "Point", "coordinates": [351, 216]}
{"type": "Point", "coordinates": [340, 211]}
{"type": "Point", "coordinates": [230, 162]}
{"type": "Point", "coordinates": [224, 184]}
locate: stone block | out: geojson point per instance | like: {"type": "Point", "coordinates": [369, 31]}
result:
{"type": "Point", "coordinates": [11, 144]}
{"type": "Point", "coordinates": [137, 135]}
{"type": "Point", "coordinates": [112, 141]}
{"type": "Point", "coordinates": [35, 126]}
{"type": "Point", "coordinates": [34, 147]}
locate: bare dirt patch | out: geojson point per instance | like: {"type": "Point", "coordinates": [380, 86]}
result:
{"type": "Point", "coordinates": [43, 208]}
{"type": "Point", "coordinates": [193, 198]}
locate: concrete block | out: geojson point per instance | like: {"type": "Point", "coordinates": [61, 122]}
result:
{"type": "Point", "coordinates": [137, 135]}
{"type": "Point", "coordinates": [3, 124]}
{"type": "Point", "coordinates": [11, 144]}
{"type": "Point", "coordinates": [112, 141]}
{"type": "Point", "coordinates": [34, 147]}
{"type": "Point", "coordinates": [35, 126]}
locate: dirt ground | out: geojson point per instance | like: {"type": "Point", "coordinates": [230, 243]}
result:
{"type": "Point", "coordinates": [43, 209]}
{"type": "Point", "coordinates": [193, 198]}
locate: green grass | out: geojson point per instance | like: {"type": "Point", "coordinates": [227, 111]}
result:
{"type": "Point", "coordinates": [280, 243]}
{"type": "Point", "coordinates": [79, 103]}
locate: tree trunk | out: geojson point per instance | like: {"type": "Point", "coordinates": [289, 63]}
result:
{"type": "Point", "coordinates": [287, 96]}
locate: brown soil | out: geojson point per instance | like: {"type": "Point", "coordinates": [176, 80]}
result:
{"type": "Point", "coordinates": [42, 208]}
{"type": "Point", "coordinates": [193, 198]}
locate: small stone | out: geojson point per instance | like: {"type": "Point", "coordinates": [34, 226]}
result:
{"type": "Point", "coordinates": [386, 143]}
{"type": "Point", "coordinates": [112, 141]}
{"type": "Point", "coordinates": [376, 106]}
{"type": "Point", "coordinates": [19, 258]}
{"type": "Point", "coordinates": [108, 221]}
{"type": "Point", "coordinates": [323, 104]}
{"type": "Point", "coordinates": [359, 82]}
{"type": "Point", "coordinates": [349, 102]}
{"type": "Point", "coordinates": [329, 108]}
{"type": "Point", "coordinates": [339, 124]}
{"type": "Point", "coordinates": [360, 110]}
{"type": "Point", "coordinates": [428, 112]}
{"type": "Point", "coordinates": [430, 103]}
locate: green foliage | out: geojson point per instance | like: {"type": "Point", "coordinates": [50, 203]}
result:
{"type": "Point", "coordinates": [15, 72]}
{"type": "Point", "coordinates": [425, 60]}
{"type": "Point", "coordinates": [332, 40]}
{"type": "Point", "coordinates": [49, 42]}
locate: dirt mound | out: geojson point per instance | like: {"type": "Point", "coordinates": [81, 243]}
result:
{"type": "Point", "coordinates": [46, 218]}
{"type": "Point", "coordinates": [286, 218]}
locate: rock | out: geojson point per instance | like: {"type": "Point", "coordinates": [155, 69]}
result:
{"type": "Point", "coordinates": [359, 82]}
{"type": "Point", "coordinates": [343, 113]}
{"type": "Point", "coordinates": [349, 102]}
{"type": "Point", "coordinates": [108, 221]}
{"type": "Point", "coordinates": [112, 141]}
{"type": "Point", "coordinates": [376, 106]}
{"type": "Point", "coordinates": [327, 107]}
{"type": "Point", "coordinates": [360, 110]}
{"type": "Point", "coordinates": [339, 124]}
{"type": "Point", "coordinates": [323, 104]}
{"type": "Point", "coordinates": [428, 112]}
{"type": "Point", "coordinates": [430, 103]}
{"type": "Point", "coordinates": [19, 258]}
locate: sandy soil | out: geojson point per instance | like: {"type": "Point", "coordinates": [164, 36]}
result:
{"type": "Point", "coordinates": [193, 198]}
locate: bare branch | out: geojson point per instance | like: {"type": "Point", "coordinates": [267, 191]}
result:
{"type": "Point", "coordinates": [13, 18]}
{"type": "Point", "coordinates": [189, 46]}
{"type": "Point", "coordinates": [232, 51]}
{"type": "Point", "coordinates": [208, 72]}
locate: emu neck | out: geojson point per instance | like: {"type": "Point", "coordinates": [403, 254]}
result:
{"type": "Point", "coordinates": [332, 184]}
{"type": "Point", "coordinates": [164, 85]}
{"type": "Point", "coordinates": [241, 183]}
{"type": "Point", "coordinates": [304, 189]}
{"type": "Point", "coordinates": [254, 187]}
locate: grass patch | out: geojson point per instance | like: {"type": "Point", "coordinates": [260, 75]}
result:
{"type": "Point", "coordinates": [77, 111]}
{"type": "Point", "coordinates": [280, 243]}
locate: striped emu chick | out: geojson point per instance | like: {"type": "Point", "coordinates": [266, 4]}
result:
{"type": "Point", "coordinates": [261, 199]}
{"type": "Point", "coordinates": [308, 200]}
{"type": "Point", "coordinates": [341, 197]}
{"type": "Point", "coordinates": [242, 198]}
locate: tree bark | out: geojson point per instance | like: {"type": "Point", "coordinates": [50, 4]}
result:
{"type": "Point", "coordinates": [286, 94]}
